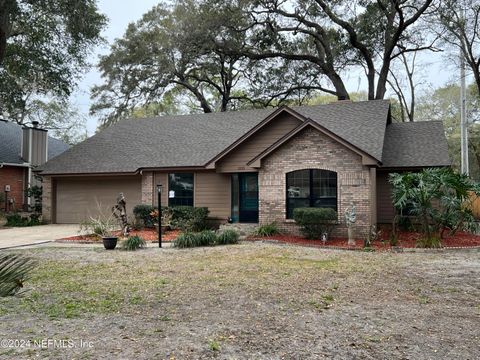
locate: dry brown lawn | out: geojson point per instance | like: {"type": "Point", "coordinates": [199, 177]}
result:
{"type": "Point", "coordinates": [248, 301]}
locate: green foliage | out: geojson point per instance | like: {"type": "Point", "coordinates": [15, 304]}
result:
{"type": "Point", "coordinates": [429, 242]}
{"type": "Point", "coordinates": [133, 243]}
{"type": "Point", "coordinates": [46, 47]}
{"type": "Point", "coordinates": [437, 198]}
{"type": "Point", "coordinates": [442, 104]}
{"type": "Point", "coordinates": [228, 237]}
{"type": "Point", "coordinates": [267, 230]}
{"type": "Point", "coordinates": [35, 192]}
{"type": "Point", "coordinates": [142, 215]}
{"type": "Point", "coordinates": [315, 221]}
{"type": "Point", "coordinates": [191, 239]}
{"type": "Point", "coordinates": [205, 238]}
{"type": "Point", "coordinates": [16, 220]}
{"type": "Point", "coordinates": [61, 118]}
{"type": "Point", "coordinates": [14, 271]}
{"type": "Point", "coordinates": [187, 218]}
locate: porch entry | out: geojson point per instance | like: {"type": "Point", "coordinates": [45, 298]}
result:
{"type": "Point", "coordinates": [245, 197]}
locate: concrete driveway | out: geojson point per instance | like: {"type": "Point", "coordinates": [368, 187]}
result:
{"type": "Point", "coordinates": [35, 235]}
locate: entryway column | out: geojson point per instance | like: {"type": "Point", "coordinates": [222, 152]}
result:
{"type": "Point", "coordinates": [147, 188]}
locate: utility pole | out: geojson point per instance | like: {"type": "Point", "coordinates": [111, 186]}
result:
{"type": "Point", "coordinates": [463, 106]}
{"type": "Point", "coordinates": [463, 118]}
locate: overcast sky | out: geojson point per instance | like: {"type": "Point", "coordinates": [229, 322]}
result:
{"type": "Point", "coordinates": [121, 13]}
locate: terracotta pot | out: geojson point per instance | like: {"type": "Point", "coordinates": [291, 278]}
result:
{"type": "Point", "coordinates": [109, 242]}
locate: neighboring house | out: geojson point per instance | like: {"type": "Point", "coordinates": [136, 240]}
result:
{"type": "Point", "coordinates": [252, 166]}
{"type": "Point", "coordinates": [21, 150]}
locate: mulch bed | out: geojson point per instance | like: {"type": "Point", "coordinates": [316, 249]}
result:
{"type": "Point", "coordinates": [406, 240]}
{"type": "Point", "coordinates": [147, 234]}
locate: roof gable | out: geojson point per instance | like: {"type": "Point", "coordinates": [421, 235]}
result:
{"type": "Point", "coordinates": [274, 115]}
{"type": "Point", "coordinates": [366, 159]}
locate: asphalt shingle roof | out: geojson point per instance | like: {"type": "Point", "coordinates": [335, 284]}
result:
{"type": "Point", "coordinates": [415, 144]}
{"type": "Point", "coordinates": [194, 140]}
{"type": "Point", "coordinates": [11, 144]}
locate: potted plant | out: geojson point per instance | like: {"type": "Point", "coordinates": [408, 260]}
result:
{"type": "Point", "coordinates": [103, 227]}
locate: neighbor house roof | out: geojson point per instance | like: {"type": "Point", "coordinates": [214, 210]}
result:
{"type": "Point", "coordinates": [415, 144]}
{"type": "Point", "coordinates": [196, 140]}
{"type": "Point", "coordinates": [11, 144]}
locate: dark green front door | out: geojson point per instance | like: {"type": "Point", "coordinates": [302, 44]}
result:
{"type": "Point", "coordinates": [248, 197]}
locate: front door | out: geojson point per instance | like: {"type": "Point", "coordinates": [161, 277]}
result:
{"type": "Point", "coordinates": [248, 197]}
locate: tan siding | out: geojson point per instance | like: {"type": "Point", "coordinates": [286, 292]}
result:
{"type": "Point", "coordinates": [385, 209]}
{"type": "Point", "coordinates": [213, 191]}
{"type": "Point", "coordinates": [237, 160]}
{"type": "Point", "coordinates": [77, 197]}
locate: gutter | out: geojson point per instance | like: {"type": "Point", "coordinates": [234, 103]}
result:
{"type": "Point", "coordinates": [13, 164]}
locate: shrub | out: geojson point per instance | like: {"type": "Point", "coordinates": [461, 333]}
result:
{"type": "Point", "coordinates": [191, 239]}
{"type": "Point", "coordinates": [267, 230]}
{"type": "Point", "coordinates": [14, 270]}
{"type": "Point", "coordinates": [16, 220]}
{"type": "Point", "coordinates": [35, 193]}
{"type": "Point", "coordinates": [438, 198]}
{"type": "Point", "coordinates": [228, 237]}
{"type": "Point", "coordinates": [189, 219]}
{"type": "Point", "coordinates": [142, 215]}
{"type": "Point", "coordinates": [431, 242]}
{"type": "Point", "coordinates": [315, 221]}
{"type": "Point", "coordinates": [133, 243]}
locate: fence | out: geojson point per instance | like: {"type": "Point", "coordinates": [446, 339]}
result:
{"type": "Point", "coordinates": [476, 206]}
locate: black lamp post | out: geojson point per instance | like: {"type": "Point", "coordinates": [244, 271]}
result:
{"type": "Point", "coordinates": [159, 194]}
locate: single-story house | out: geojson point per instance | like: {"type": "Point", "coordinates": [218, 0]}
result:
{"type": "Point", "coordinates": [22, 148]}
{"type": "Point", "coordinates": [251, 166]}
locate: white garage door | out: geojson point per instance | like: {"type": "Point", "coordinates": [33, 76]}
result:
{"type": "Point", "coordinates": [81, 197]}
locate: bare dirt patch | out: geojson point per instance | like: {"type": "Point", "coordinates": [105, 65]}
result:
{"type": "Point", "coordinates": [252, 300]}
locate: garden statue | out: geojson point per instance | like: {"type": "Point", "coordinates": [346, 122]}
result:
{"type": "Point", "coordinates": [120, 213]}
{"type": "Point", "coordinates": [350, 219]}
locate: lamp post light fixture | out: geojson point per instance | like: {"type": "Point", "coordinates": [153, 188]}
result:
{"type": "Point", "coordinates": [159, 194]}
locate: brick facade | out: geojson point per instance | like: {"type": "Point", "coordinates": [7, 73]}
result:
{"type": "Point", "coordinates": [147, 188]}
{"type": "Point", "coordinates": [15, 177]}
{"type": "Point", "coordinates": [47, 199]}
{"type": "Point", "coordinates": [311, 149]}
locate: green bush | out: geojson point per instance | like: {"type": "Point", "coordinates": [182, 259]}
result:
{"type": "Point", "coordinates": [133, 243]}
{"type": "Point", "coordinates": [315, 221]}
{"type": "Point", "coordinates": [228, 237]}
{"type": "Point", "coordinates": [429, 242]}
{"type": "Point", "coordinates": [192, 239]}
{"type": "Point", "coordinates": [267, 230]}
{"type": "Point", "coordinates": [142, 215]}
{"type": "Point", "coordinates": [16, 220]}
{"type": "Point", "coordinates": [189, 219]}
{"type": "Point", "coordinates": [437, 199]}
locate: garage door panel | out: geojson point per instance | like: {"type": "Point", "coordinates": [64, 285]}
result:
{"type": "Point", "coordinates": [79, 198]}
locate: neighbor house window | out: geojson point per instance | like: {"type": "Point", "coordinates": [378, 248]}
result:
{"type": "Point", "coordinates": [311, 188]}
{"type": "Point", "coordinates": [180, 189]}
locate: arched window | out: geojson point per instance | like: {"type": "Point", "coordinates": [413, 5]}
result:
{"type": "Point", "coordinates": [311, 188]}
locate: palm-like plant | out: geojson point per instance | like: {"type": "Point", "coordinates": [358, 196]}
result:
{"type": "Point", "coordinates": [438, 198]}
{"type": "Point", "coordinates": [14, 270]}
